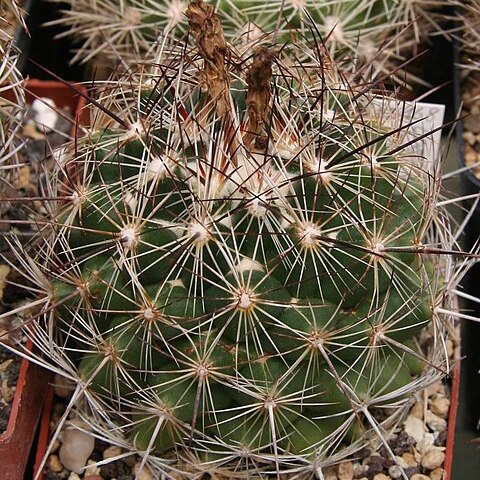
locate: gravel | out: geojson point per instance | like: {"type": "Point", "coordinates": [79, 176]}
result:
{"type": "Point", "coordinates": [9, 370]}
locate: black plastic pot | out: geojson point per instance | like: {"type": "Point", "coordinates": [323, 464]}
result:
{"type": "Point", "coordinates": [23, 37]}
{"type": "Point", "coordinates": [466, 461]}
{"type": "Point", "coordinates": [40, 51]}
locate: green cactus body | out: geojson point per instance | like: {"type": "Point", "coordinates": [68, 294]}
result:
{"type": "Point", "coordinates": [12, 106]}
{"type": "Point", "coordinates": [247, 292]}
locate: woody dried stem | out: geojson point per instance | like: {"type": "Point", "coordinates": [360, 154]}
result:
{"type": "Point", "coordinates": [212, 47]}
{"type": "Point", "coordinates": [259, 93]}
{"type": "Point", "coordinates": [210, 41]}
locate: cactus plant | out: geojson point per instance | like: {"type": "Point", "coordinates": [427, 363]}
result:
{"type": "Point", "coordinates": [373, 33]}
{"type": "Point", "coordinates": [241, 263]}
{"type": "Point", "coordinates": [12, 101]}
{"type": "Point", "coordinates": [11, 11]}
{"type": "Point", "coordinates": [11, 106]}
{"type": "Point", "coordinates": [465, 30]}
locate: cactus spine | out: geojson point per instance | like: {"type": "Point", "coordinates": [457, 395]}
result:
{"type": "Point", "coordinates": [12, 101]}
{"type": "Point", "coordinates": [242, 263]}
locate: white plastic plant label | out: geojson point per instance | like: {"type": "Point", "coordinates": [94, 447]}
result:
{"type": "Point", "coordinates": [426, 117]}
{"type": "Point", "coordinates": [419, 126]}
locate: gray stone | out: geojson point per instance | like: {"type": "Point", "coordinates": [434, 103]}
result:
{"type": "Point", "coordinates": [415, 427]}
{"type": "Point", "coordinates": [77, 446]}
{"type": "Point", "coordinates": [345, 471]}
{"type": "Point", "coordinates": [433, 459]}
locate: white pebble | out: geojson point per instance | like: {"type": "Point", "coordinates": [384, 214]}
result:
{"type": "Point", "coordinates": [329, 475]}
{"type": "Point", "coordinates": [433, 388]}
{"type": "Point", "coordinates": [415, 428]}
{"type": "Point", "coordinates": [395, 471]}
{"type": "Point", "coordinates": [77, 446]}
{"type": "Point", "coordinates": [450, 348]}
{"type": "Point", "coordinates": [433, 459]}
{"type": "Point", "coordinates": [426, 443]}
{"type": "Point", "coordinates": [92, 469]}
{"type": "Point", "coordinates": [112, 452]}
{"type": "Point", "coordinates": [440, 406]}
{"type": "Point", "coordinates": [437, 474]}
{"type": "Point", "coordinates": [409, 459]}
{"type": "Point", "coordinates": [73, 476]}
{"type": "Point", "coordinates": [436, 423]}
{"type": "Point", "coordinates": [54, 464]}
{"type": "Point", "coordinates": [143, 474]}
{"type": "Point", "coordinates": [417, 455]}
{"type": "Point", "coordinates": [469, 137]}
{"type": "Point", "coordinates": [62, 387]}
{"type": "Point", "coordinates": [44, 114]}
{"type": "Point", "coordinates": [417, 410]}
{"type": "Point", "coordinates": [360, 470]}
{"type": "Point", "coordinates": [55, 446]}
{"type": "Point", "coordinates": [345, 471]}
